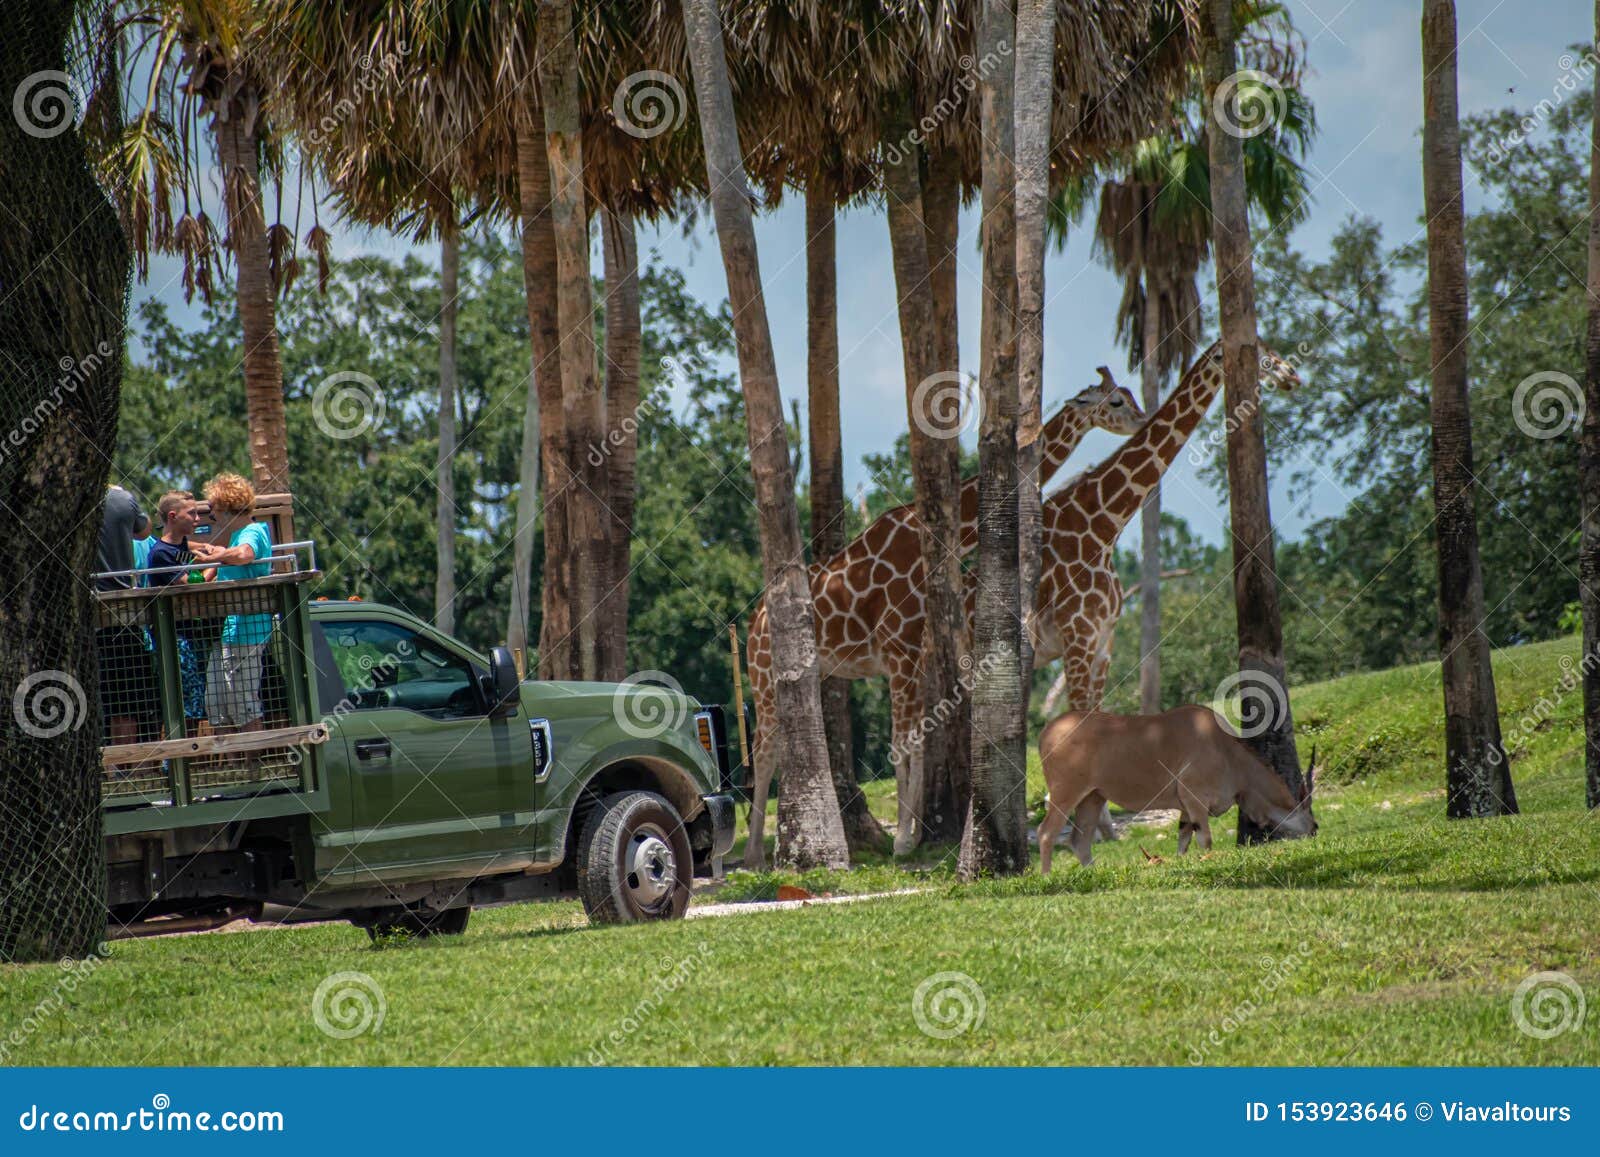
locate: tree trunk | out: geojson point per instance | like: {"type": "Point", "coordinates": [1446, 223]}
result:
{"type": "Point", "coordinates": [582, 403]}
{"type": "Point", "coordinates": [1255, 580]}
{"type": "Point", "coordinates": [543, 428]}
{"type": "Point", "coordinates": [234, 128]}
{"type": "Point", "coordinates": [444, 586]}
{"type": "Point", "coordinates": [1036, 43]}
{"type": "Point", "coordinates": [621, 248]}
{"type": "Point", "coordinates": [862, 832]}
{"type": "Point", "coordinates": [1477, 777]}
{"type": "Point", "coordinates": [1150, 524]}
{"type": "Point", "coordinates": [64, 265]}
{"type": "Point", "coordinates": [810, 832]}
{"type": "Point", "coordinates": [1589, 471]}
{"type": "Point", "coordinates": [947, 784]}
{"type": "Point", "coordinates": [995, 841]}
{"type": "Point", "coordinates": [933, 404]}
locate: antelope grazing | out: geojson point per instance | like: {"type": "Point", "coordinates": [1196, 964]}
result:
{"type": "Point", "coordinates": [1185, 758]}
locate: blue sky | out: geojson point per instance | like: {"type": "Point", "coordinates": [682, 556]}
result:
{"type": "Point", "coordinates": [1366, 84]}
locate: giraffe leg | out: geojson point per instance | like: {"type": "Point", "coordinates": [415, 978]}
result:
{"type": "Point", "coordinates": [765, 756]}
{"type": "Point", "coordinates": [1085, 674]}
{"type": "Point", "coordinates": [905, 701]}
{"type": "Point", "coordinates": [764, 744]}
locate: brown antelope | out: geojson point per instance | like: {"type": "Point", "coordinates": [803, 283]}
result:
{"type": "Point", "coordinates": [1186, 758]}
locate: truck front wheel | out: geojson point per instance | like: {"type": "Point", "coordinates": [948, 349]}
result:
{"type": "Point", "coordinates": [634, 860]}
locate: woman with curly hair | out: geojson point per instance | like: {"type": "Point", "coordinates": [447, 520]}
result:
{"type": "Point", "coordinates": [233, 677]}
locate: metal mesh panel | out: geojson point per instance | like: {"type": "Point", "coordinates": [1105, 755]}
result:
{"type": "Point", "coordinates": [213, 664]}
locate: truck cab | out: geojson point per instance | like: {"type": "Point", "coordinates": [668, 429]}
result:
{"type": "Point", "coordinates": [398, 778]}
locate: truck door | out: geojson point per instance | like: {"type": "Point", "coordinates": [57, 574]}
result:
{"type": "Point", "coordinates": [433, 779]}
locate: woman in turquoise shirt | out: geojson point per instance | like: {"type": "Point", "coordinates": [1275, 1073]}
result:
{"type": "Point", "coordinates": [233, 677]}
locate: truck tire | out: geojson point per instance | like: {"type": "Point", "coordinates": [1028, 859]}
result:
{"type": "Point", "coordinates": [451, 922]}
{"type": "Point", "coordinates": [634, 860]}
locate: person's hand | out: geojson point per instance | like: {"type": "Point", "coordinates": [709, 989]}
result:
{"type": "Point", "coordinates": [204, 551]}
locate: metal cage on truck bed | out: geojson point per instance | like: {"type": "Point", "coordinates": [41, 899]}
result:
{"type": "Point", "coordinates": [209, 713]}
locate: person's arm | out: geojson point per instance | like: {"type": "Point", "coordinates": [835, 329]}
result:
{"type": "Point", "coordinates": [242, 554]}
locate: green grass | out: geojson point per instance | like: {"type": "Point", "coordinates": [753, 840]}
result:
{"type": "Point", "coordinates": [1394, 937]}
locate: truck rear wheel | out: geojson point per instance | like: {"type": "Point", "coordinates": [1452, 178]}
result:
{"type": "Point", "coordinates": [634, 860]}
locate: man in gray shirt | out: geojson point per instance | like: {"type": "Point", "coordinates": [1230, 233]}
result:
{"type": "Point", "coordinates": [128, 692]}
{"type": "Point", "coordinates": [121, 521]}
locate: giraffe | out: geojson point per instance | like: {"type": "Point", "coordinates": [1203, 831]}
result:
{"type": "Point", "coordinates": [868, 603]}
{"type": "Point", "coordinates": [1080, 595]}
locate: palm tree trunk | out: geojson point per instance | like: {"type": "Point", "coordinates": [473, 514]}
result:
{"type": "Point", "coordinates": [1478, 780]}
{"type": "Point", "coordinates": [64, 263]}
{"type": "Point", "coordinates": [1150, 523]}
{"type": "Point", "coordinates": [237, 156]}
{"type": "Point", "coordinates": [543, 427]}
{"type": "Point", "coordinates": [1255, 580]}
{"type": "Point", "coordinates": [1589, 472]}
{"type": "Point", "coordinates": [932, 403]}
{"type": "Point", "coordinates": [861, 831]}
{"type": "Point", "coordinates": [995, 841]}
{"type": "Point", "coordinates": [582, 403]}
{"type": "Point", "coordinates": [810, 833]}
{"type": "Point", "coordinates": [1036, 42]}
{"type": "Point", "coordinates": [444, 587]}
{"type": "Point", "coordinates": [621, 249]}
{"type": "Point", "coordinates": [948, 782]}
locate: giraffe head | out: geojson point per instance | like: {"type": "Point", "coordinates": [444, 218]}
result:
{"type": "Point", "coordinates": [1109, 406]}
{"type": "Point", "coordinates": [1275, 371]}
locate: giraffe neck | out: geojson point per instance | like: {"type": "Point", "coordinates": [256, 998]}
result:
{"type": "Point", "coordinates": [1058, 438]}
{"type": "Point", "coordinates": [1118, 486]}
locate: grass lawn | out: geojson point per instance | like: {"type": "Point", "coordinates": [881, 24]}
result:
{"type": "Point", "coordinates": [1394, 937]}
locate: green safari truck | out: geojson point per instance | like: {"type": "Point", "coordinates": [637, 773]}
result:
{"type": "Point", "coordinates": [393, 776]}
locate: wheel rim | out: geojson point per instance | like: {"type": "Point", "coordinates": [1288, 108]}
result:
{"type": "Point", "coordinates": [651, 868]}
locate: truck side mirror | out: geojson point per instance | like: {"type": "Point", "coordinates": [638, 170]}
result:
{"type": "Point", "coordinates": [503, 682]}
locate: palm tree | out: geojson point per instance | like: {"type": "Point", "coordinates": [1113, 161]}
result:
{"type": "Point", "coordinates": [583, 404]}
{"type": "Point", "coordinates": [1035, 69]}
{"type": "Point", "coordinates": [1153, 230]}
{"type": "Point", "coordinates": [444, 586]}
{"type": "Point", "coordinates": [810, 832]}
{"type": "Point", "coordinates": [64, 266]}
{"type": "Point", "coordinates": [935, 471]}
{"type": "Point", "coordinates": [1477, 776]}
{"type": "Point", "coordinates": [1255, 583]}
{"type": "Point", "coordinates": [177, 65]}
{"type": "Point", "coordinates": [995, 841]}
{"type": "Point", "coordinates": [1589, 468]}
{"type": "Point", "coordinates": [825, 442]}
{"type": "Point", "coordinates": [621, 253]}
